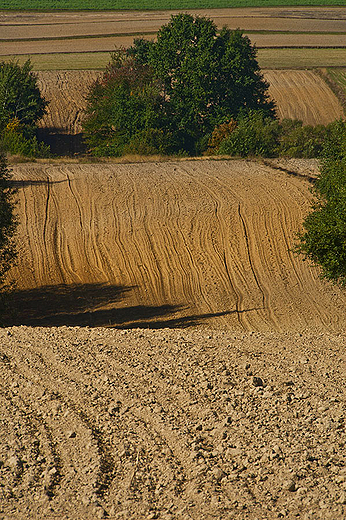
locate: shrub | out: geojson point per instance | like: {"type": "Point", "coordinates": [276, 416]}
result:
{"type": "Point", "coordinates": [297, 140]}
{"type": "Point", "coordinates": [255, 134]}
{"type": "Point", "coordinates": [324, 238]}
{"type": "Point", "coordinates": [151, 141]}
{"type": "Point", "coordinates": [125, 103]}
{"type": "Point", "coordinates": [219, 134]}
{"type": "Point", "coordinates": [21, 106]}
{"type": "Point", "coordinates": [15, 142]}
{"type": "Point", "coordinates": [20, 97]}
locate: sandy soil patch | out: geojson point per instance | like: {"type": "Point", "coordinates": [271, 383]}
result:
{"type": "Point", "coordinates": [234, 409]}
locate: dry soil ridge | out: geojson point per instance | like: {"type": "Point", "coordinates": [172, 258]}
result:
{"type": "Point", "coordinates": [169, 244]}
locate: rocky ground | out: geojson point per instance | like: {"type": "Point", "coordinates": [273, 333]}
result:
{"type": "Point", "coordinates": [171, 424]}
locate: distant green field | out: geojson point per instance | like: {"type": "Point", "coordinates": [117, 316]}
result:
{"type": "Point", "coordinates": [155, 4]}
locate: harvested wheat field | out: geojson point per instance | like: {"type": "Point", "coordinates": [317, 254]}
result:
{"type": "Point", "coordinates": [32, 33]}
{"type": "Point", "coordinates": [234, 408]}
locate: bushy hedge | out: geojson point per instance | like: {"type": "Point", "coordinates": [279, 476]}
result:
{"type": "Point", "coordinates": [324, 238]}
{"type": "Point", "coordinates": [258, 135]}
{"type": "Point", "coordinates": [18, 140]}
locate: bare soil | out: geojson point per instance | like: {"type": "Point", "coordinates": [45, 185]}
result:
{"type": "Point", "coordinates": [170, 243]}
{"type": "Point", "coordinates": [168, 356]}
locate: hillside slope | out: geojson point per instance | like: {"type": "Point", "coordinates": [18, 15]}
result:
{"type": "Point", "coordinates": [169, 244]}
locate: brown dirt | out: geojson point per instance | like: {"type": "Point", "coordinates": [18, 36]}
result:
{"type": "Point", "coordinates": [303, 95]}
{"type": "Point", "coordinates": [234, 409]}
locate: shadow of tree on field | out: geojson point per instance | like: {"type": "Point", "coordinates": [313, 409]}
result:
{"type": "Point", "coordinates": [94, 305]}
{"type": "Point", "coordinates": [181, 322]}
{"type": "Point", "coordinates": [23, 183]}
{"type": "Point", "coordinates": [60, 142]}
{"type": "Point", "coordinates": [63, 304]}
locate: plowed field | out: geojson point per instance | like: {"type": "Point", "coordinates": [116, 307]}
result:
{"type": "Point", "coordinates": [237, 414]}
{"type": "Point", "coordinates": [164, 244]}
{"type": "Point", "coordinates": [80, 32]}
{"type": "Point", "coordinates": [302, 94]}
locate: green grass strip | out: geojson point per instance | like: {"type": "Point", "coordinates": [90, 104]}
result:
{"type": "Point", "coordinates": [113, 5]}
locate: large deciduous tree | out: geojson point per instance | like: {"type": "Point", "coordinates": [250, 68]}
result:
{"type": "Point", "coordinates": [194, 80]}
{"type": "Point", "coordinates": [207, 78]}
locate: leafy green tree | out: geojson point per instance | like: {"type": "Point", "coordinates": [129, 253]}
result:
{"type": "Point", "coordinates": [324, 238]}
{"type": "Point", "coordinates": [21, 106]}
{"type": "Point", "coordinates": [20, 97]}
{"type": "Point", "coordinates": [7, 222]}
{"type": "Point", "coordinates": [121, 105]}
{"type": "Point", "coordinates": [186, 83]}
{"type": "Point", "coordinates": [208, 78]}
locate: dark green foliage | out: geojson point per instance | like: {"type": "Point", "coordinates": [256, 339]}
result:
{"type": "Point", "coordinates": [151, 141]}
{"type": "Point", "coordinates": [15, 142]}
{"type": "Point", "coordinates": [297, 140]}
{"type": "Point", "coordinates": [7, 223]}
{"type": "Point", "coordinates": [207, 78]}
{"type": "Point", "coordinates": [324, 239]}
{"type": "Point", "coordinates": [184, 84]}
{"type": "Point", "coordinates": [122, 105]}
{"type": "Point", "coordinates": [255, 135]}
{"type": "Point", "coordinates": [259, 135]}
{"type": "Point", "coordinates": [21, 106]}
{"type": "Point", "coordinates": [20, 97]}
